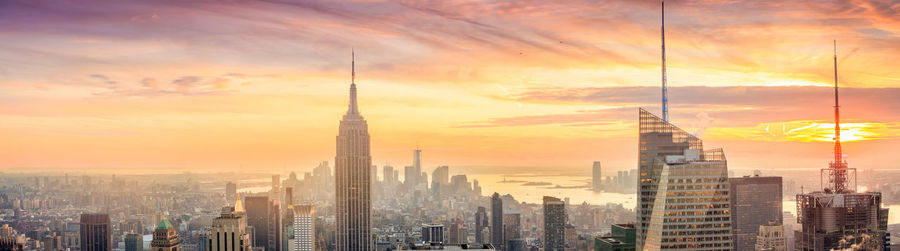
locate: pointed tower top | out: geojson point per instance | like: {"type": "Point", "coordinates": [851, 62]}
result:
{"type": "Point", "coordinates": [353, 109]}
{"type": "Point", "coordinates": [238, 205]}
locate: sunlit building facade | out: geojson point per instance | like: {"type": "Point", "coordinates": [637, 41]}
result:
{"type": "Point", "coordinates": [683, 190]}
{"type": "Point", "coordinates": [353, 181]}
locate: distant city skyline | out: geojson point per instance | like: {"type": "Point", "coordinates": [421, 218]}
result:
{"type": "Point", "coordinates": [152, 86]}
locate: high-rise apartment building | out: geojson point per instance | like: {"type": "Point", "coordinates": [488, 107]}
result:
{"type": "Point", "coordinates": [95, 232]}
{"type": "Point", "coordinates": [554, 224]}
{"type": "Point", "coordinates": [755, 201]}
{"type": "Point", "coordinates": [304, 228]}
{"type": "Point", "coordinates": [353, 187]}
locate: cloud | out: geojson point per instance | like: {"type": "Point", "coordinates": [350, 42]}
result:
{"type": "Point", "coordinates": [150, 83]}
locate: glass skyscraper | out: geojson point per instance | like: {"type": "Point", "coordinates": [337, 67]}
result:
{"type": "Point", "coordinates": [683, 190]}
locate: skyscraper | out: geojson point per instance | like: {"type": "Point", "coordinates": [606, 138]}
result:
{"type": "Point", "coordinates": [755, 201]}
{"type": "Point", "coordinates": [229, 232]}
{"type": "Point", "coordinates": [95, 232]}
{"type": "Point", "coordinates": [276, 230]}
{"type": "Point", "coordinates": [230, 191]}
{"type": "Point", "coordinates": [554, 224]}
{"type": "Point", "coordinates": [597, 177]}
{"type": "Point", "coordinates": [304, 228]}
{"type": "Point", "coordinates": [839, 217]}
{"type": "Point", "coordinates": [258, 217]}
{"type": "Point", "coordinates": [165, 238]}
{"type": "Point", "coordinates": [481, 222]}
{"type": "Point", "coordinates": [512, 228]}
{"type": "Point", "coordinates": [387, 176]}
{"type": "Point", "coordinates": [683, 191]}
{"type": "Point", "coordinates": [417, 163]}
{"type": "Point", "coordinates": [496, 220]}
{"type": "Point", "coordinates": [353, 202]}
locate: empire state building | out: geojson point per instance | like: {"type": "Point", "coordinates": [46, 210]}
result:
{"type": "Point", "coordinates": [353, 167]}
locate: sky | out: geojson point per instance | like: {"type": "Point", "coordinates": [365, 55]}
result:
{"type": "Point", "coordinates": [495, 86]}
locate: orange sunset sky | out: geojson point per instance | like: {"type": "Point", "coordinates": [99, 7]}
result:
{"type": "Point", "coordinates": [261, 85]}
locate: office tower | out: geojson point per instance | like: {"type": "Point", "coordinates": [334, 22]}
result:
{"type": "Point", "coordinates": [276, 229]}
{"type": "Point", "coordinates": [621, 238]}
{"type": "Point", "coordinates": [258, 217]}
{"type": "Point", "coordinates": [95, 232]}
{"type": "Point", "coordinates": [433, 233]}
{"type": "Point", "coordinates": [304, 228]}
{"type": "Point", "coordinates": [684, 191]}
{"type": "Point", "coordinates": [755, 201]}
{"type": "Point", "coordinates": [512, 228]}
{"type": "Point", "coordinates": [454, 232]}
{"type": "Point", "coordinates": [770, 238]}
{"type": "Point", "coordinates": [839, 217]}
{"type": "Point", "coordinates": [230, 191]}
{"type": "Point", "coordinates": [597, 177]}
{"type": "Point", "coordinates": [410, 177]}
{"type": "Point", "coordinates": [164, 238]}
{"type": "Point", "coordinates": [481, 222]}
{"type": "Point", "coordinates": [417, 163]}
{"type": "Point", "coordinates": [388, 176]}
{"type": "Point", "coordinates": [440, 178]}
{"type": "Point", "coordinates": [554, 224]}
{"type": "Point", "coordinates": [496, 221]}
{"type": "Point", "coordinates": [134, 242]}
{"type": "Point", "coordinates": [353, 203]}
{"type": "Point", "coordinates": [229, 232]}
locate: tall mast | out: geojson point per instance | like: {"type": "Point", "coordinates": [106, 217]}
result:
{"type": "Point", "coordinates": [353, 109]}
{"type": "Point", "coordinates": [838, 156]}
{"type": "Point", "coordinates": [665, 95]}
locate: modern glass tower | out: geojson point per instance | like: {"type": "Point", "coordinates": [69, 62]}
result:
{"type": "Point", "coordinates": [353, 177]}
{"type": "Point", "coordinates": [683, 190]}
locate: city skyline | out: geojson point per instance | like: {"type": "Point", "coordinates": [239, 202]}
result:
{"type": "Point", "coordinates": [136, 92]}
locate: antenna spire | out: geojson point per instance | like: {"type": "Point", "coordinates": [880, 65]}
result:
{"type": "Point", "coordinates": [665, 95]}
{"type": "Point", "coordinates": [352, 66]}
{"type": "Point", "coordinates": [838, 155]}
{"type": "Point", "coordinates": [353, 109]}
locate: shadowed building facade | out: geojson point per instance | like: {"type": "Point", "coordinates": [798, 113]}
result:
{"type": "Point", "coordinates": [95, 232]}
{"type": "Point", "coordinates": [353, 167]}
{"type": "Point", "coordinates": [755, 201]}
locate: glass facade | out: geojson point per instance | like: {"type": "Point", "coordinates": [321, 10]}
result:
{"type": "Point", "coordinates": [683, 191]}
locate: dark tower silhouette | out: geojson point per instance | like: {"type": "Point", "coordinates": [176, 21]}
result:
{"type": "Point", "coordinates": [95, 232]}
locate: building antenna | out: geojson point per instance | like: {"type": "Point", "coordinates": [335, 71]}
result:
{"type": "Point", "coordinates": [352, 66]}
{"type": "Point", "coordinates": [838, 155]}
{"type": "Point", "coordinates": [665, 95]}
